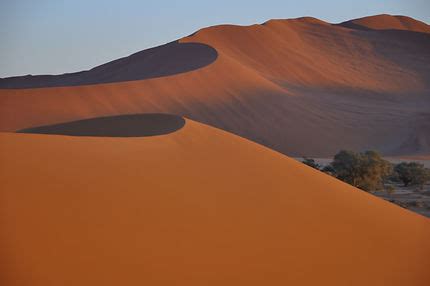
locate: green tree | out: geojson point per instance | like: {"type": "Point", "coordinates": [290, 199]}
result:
{"type": "Point", "coordinates": [412, 173]}
{"type": "Point", "coordinates": [366, 171]}
{"type": "Point", "coordinates": [347, 167]}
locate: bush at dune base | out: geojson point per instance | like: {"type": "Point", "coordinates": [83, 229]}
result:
{"type": "Point", "coordinates": [369, 171]}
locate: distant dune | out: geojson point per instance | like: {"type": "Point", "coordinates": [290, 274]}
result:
{"type": "Point", "coordinates": [388, 22]}
{"type": "Point", "coordinates": [198, 206]}
{"type": "Point", "coordinates": [302, 86]}
{"type": "Point", "coordinates": [169, 59]}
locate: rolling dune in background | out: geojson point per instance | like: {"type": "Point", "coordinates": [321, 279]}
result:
{"type": "Point", "coordinates": [388, 22]}
{"type": "Point", "coordinates": [169, 59]}
{"type": "Point", "coordinates": [302, 87]}
{"type": "Point", "coordinates": [198, 206]}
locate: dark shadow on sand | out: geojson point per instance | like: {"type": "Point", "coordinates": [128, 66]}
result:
{"type": "Point", "coordinates": [354, 26]}
{"type": "Point", "coordinates": [169, 59]}
{"type": "Point", "coordinates": [133, 125]}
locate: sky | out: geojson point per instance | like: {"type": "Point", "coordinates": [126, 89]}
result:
{"type": "Point", "coordinates": [58, 36]}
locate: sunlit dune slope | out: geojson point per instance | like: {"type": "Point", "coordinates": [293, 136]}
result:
{"type": "Point", "coordinates": [300, 86]}
{"type": "Point", "coordinates": [195, 207]}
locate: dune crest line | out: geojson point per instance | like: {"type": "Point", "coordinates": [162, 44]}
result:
{"type": "Point", "coordinates": [166, 60]}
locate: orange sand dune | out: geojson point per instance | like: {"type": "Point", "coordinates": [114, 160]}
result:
{"type": "Point", "coordinates": [388, 22]}
{"type": "Point", "coordinates": [196, 207]}
{"type": "Point", "coordinates": [300, 86]}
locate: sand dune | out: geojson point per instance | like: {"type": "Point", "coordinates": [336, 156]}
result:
{"type": "Point", "coordinates": [169, 59]}
{"type": "Point", "coordinates": [388, 22]}
{"type": "Point", "coordinates": [301, 86]}
{"type": "Point", "coordinates": [195, 207]}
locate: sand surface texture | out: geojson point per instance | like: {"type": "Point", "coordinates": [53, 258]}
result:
{"type": "Point", "coordinates": [198, 206]}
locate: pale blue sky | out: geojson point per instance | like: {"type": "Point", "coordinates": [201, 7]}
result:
{"type": "Point", "coordinates": [57, 36]}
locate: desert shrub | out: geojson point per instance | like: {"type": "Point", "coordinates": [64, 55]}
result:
{"type": "Point", "coordinates": [394, 178]}
{"type": "Point", "coordinates": [412, 174]}
{"type": "Point", "coordinates": [329, 170]}
{"type": "Point", "coordinates": [311, 163]}
{"type": "Point", "coordinates": [390, 189]}
{"type": "Point", "coordinates": [366, 171]}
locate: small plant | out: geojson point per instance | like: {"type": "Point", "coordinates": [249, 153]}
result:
{"type": "Point", "coordinates": [329, 170]}
{"type": "Point", "coordinates": [390, 189]}
{"type": "Point", "coordinates": [311, 163]}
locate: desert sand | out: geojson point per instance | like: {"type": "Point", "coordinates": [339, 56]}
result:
{"type": "Point", "coordinates": [198, 206]}
{"type": "Point", "coordinates": [302, 86]}
{"type": "Point", "coordinates": [140, 171]}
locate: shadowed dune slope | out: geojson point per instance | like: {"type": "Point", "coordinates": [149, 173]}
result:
{"type": "Point", "coordinates": [133, 125]}
{"type": "Point", "coordinates": [300, 86]}
{"type": "Point", "coordinates": [165, 60]}
{"type": "Point", "coordinates": [196, 207]}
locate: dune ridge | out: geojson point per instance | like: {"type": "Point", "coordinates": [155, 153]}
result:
{"type": "Point", "coordinates": [198, 206]}
{"type": "Point", "coordinates": [281, 84]}
{"type": "Point", "coordinates": [166, 60]}
{"type": "Point", "coordinates": [388, 22]}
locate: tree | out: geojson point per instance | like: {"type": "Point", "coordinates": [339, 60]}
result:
{"type": "Point", "coordinates": [366, 171]}
{"type": "Point", "coordinates": [412, 173]}
{"type": "Point", "coordinates": [347, 167]}
{"type": "Point", "coordinates": [375, 171]}
{"type": "Point", "coordinates": [311, 163]}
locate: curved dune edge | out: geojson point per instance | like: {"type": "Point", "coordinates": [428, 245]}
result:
{"type": "Point", "coordinates": [162, 61]}
{"type": "Point", "coordinates": [129, 125]}
{"type": "Point", "coordinates": [196, 207]}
